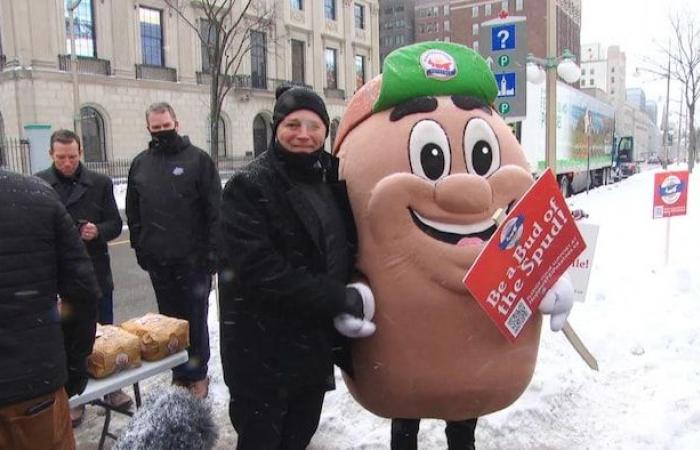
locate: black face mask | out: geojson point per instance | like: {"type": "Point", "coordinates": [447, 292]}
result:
{"type": "Point", "coordinates": [164, 139]}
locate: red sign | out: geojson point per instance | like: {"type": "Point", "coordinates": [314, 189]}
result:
{"type": "Point", "coordinates": [526, 255]}
{"type": "Point", "coordinates": [670, 194]}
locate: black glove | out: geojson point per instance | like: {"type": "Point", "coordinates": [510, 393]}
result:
{"type": "Point", "coordinates": [77, 380]}
{"type": "Point", "coordinates": [353, 303]}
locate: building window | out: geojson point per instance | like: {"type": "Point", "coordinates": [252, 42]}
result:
{"type": "Point", "coordinates": [262, 132]}
{"type": "Point", "coordinates": [221, 138]}
{"type": "Point", "coordinates": [359, 71]}
{"type": "Point", "coordinates": [298, 61]}
{"type": "Point", "coordinates": [583, 70]}
{"type": "Point", "coordinates": [331, 68]}
{"type": "Point", "coordinates": [446, 26]}
{"type": "Point", "coordinates": [487, 9]}
{"type": "Point", "coordinates": [476, 46]}
{"type": "Point", "coordinates": [209, 33]}
{"type": "Point", "coordinates": [329, 9]}
{"type": "Point", "coordinates": [475, 29]}
{"type": "Point", "coordinates": [612, 70]}
{"type": "Point", "coordinates": [475, 11]}
{"type": "Point", "coordinates": [592, 71]}
{"type": "Point", "coordinates": [518, 5]}
{"type": "Point", "coordinates": [258, 60]}
{"type": "Point", "coordinates": [151, 36]}
{"type": "Point", "coordinates": [359, 16]}
{"type": "Point", "coordinates": [612, 79]}
{"type": "Point", "coordinates": [92, 126]}
{"type": "Point", "coordinates": [334, 130]}
{"type": "Point", "coordinates": [83, 28]}
{"type": "Point", "coordinates": [297, 4]}
{"type": "Point", "coordinates": [447, 39]}
{"type": "Point", "coordinates": [504, 5]}
{"type": "Point", "coordinates": [583, 83]}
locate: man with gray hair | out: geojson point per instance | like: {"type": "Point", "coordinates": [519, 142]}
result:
{"type": "Point", "coordinates": [172, 209]}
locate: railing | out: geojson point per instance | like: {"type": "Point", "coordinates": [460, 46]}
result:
{"type": "Point", "coordinates": [14, 155]}
{"type": "Point", "coordinates": [205, 78]}
{"type": "Point", "coordinates": [94, 66]}
{"type": "Point", "coordinates": [334, 93]}
{"type": "Point", "coordinates": [266, 84]}
{"type": "Point", "coordinates": [119, 168]}
{"type": "Point", "coordinates": [148, 72]}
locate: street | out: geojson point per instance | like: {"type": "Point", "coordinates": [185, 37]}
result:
{"type": "Point", "coordinates": [133, 293]}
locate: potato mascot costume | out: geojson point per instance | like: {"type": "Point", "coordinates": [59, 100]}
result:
{"type": "Point", "coordinates": [427, 163]}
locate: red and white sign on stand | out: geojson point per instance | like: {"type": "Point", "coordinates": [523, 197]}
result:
{"type": "Point", "coordinates": [670, 194]}
{"type": "Point", "coordinates": [527, 254]}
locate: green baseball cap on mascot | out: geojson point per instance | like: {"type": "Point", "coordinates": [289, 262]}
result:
{"type": "Point", "coordinates": [436, 69]}
{"type": "Point", "coordinates": [423, 69]}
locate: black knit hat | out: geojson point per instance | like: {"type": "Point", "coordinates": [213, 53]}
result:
{"type": "Point", "coordinates": [294, 98]}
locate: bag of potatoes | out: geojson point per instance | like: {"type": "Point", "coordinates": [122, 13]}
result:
{"type": "Point", "coordinates": [114, 350]}
{"type": "Point", "coordinates": [160, 335]}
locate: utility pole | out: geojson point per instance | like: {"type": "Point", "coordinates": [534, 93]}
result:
{"type": "Point", "coordinates": [664, 139]}
{"type": "Point", "coordinates": [680, 130]}
{"type": "Point", "coordinates": [551, 88]}
{"type": "Point", "coordinates": [72, 6]}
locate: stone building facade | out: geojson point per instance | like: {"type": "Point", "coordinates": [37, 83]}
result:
{"type": "Point", "coordinates": [135, 52]}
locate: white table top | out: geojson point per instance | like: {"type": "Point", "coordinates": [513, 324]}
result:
{"type": "Point", "coordinates": [98, 388]}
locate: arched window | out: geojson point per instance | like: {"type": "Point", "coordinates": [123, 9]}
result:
{"type": "Point", "coordinates": [93, 134]}
{"type": "Point", "coordinates": [223, 150]}
{"type": "Point", "coordinates": [334, 131]}
{"type": "Point", "coordinates": [261, 134]}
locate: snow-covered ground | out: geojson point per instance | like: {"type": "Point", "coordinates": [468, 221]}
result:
{"type": "Point", "coordinates": [641, 320]}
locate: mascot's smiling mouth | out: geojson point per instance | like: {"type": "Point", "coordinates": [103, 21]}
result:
{"type": "Point", "coordinates": [451, 233]}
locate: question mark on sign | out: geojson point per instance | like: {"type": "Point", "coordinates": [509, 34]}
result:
{"type": "Point", "coordinates": [503, 35]}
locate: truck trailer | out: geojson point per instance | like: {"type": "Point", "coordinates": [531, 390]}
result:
{"type": "Point", "coordinates": [584, 143]}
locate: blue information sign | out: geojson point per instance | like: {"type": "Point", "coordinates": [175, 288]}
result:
{"type": "Point", "coordinates": [503, 37]}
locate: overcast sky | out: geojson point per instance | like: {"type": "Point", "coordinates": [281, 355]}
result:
{"type": "Point", "coordinates": [635, 25]}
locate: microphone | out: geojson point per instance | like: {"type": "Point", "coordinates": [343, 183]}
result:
{"type": "Point", "coordinates": [170, 419]}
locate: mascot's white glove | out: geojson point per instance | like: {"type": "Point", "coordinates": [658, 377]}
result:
{"type": "Point", "coordinates": [558, 302]}
{"type": "Point", "coordinates": [355, 327]}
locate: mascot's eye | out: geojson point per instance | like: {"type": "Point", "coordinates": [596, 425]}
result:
{"type": "Point", "coordinates": [429, 150]}
{"type": "Point", "coordinates": [481, 150]}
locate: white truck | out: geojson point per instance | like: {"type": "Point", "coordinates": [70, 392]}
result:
{"type": "Point", "coordinates": [584, 144]}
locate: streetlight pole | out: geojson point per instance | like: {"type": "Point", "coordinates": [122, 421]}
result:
{"type": "Point", "coordinates": [72, 6]}
{"type": "Point", "coordinates": [664, 139]}
{"type": "Point", "coordinates": [551, 88]}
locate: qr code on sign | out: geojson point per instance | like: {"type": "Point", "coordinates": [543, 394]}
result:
{"type": "Point", "coordinates": [658, 212]}
{"type": "Point", "coordinates": [518, 318]}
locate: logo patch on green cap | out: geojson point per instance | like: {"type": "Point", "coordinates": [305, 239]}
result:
{"type": "Point", "coordinates": [438, 65]}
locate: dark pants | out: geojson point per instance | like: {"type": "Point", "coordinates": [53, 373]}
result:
{"type": "Point", "coordinates": [460, 434]}
{"type": "Point", "coordinates": [105, 312]}
{"type": "Point", "coordinates": [183, 292]}
{"type": "Point", "coordinates": [276, 424]}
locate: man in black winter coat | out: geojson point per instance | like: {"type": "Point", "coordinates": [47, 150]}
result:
{"type": "Point", "coordinates": [172, 208]}
{"type": "Point", "coordinates": [42, 351]}
{"type": "Point", "coordinates": [286, 259]}
{"type": "Point", "coordinates": [89, 198]}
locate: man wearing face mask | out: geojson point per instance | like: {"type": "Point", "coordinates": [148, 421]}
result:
{"type": "Point", "coordinates": [287, 253]}
{"type": "Point", "coordinates": [172, 209]}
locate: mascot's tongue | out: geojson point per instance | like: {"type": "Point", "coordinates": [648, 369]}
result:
{"type": "Point", "coordinates": [466, 241]}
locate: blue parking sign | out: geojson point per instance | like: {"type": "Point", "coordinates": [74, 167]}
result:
{"type": "Point", "coordinates": [503, 37]}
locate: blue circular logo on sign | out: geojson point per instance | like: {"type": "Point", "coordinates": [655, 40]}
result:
{"type": "Point", "coordinates": [511, 232]}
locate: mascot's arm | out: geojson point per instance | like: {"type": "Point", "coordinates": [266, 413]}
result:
{"type": "Point", "coordinates": [558, 302]}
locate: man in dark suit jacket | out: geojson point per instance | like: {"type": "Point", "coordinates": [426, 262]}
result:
{"type": "Point", "coordinates": [89, 198]}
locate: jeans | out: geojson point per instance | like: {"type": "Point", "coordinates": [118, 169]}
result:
{"type": "Point", "coordinates": [105, 311]}
{"type": "Point", "coordinates": [182, 291]}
